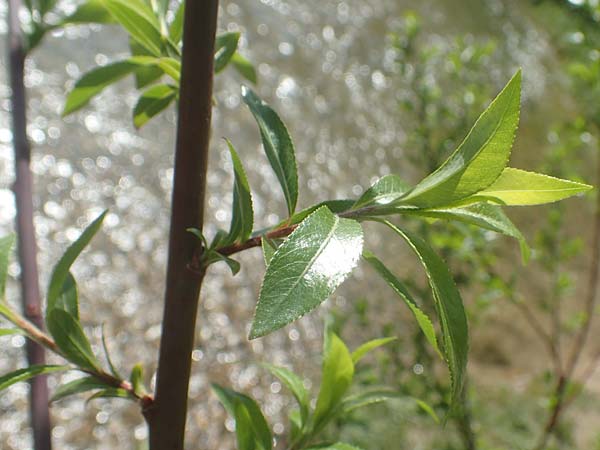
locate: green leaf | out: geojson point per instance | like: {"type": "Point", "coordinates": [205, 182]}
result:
{"type": "Point", "coordinates": [213, 256]}
{"type": "Point", "coordinates": [93, 82]}
{"type": "Point", "coordinates": [11, 332]}
{"type": "Point", "coordinates": [450, 309]}
{"type": "Point", "coordinates": [153, 101]}
{"type": "Point", "coordinates": [295, 384]}
{"type": "Point", "coordinates": [310, 264]}
{"type": "Point", "coordinates": [67, 300]}
{"type": "Point", "coordinates": [78, 386]}
{"type": "Point", "coordinates": [242, 216]}
{"type": "Point", "coordinates": [62, 285]}
{"type": "Point", "coordinates": [335, 206]}
{"type": "Point", "coordinates": [365, 348]}
{"type": "Point", "coordinates": [422, 319]}
{"type": "Point", "coordinates": [225, 47]}
{"type": "Point", "coordinates": [268, 249]}
{"type": "Point", "coordinates": [336, 446]}
{"type": "Point", "coordinates": [428, 409]}
{"type": "Point", "coordinates": [139, 21]}
{"type": "Point", "coordinates": [251, 427]}
{"type": "Point", "coordinates": [489, 217]}
{"type": "Point", "coordinates": [244, 67]}
{"type": "Point", "coordinates": [6, 244]}
{"type": "Point", "coordinates": [517, 187]}
{"type": "Point", "coordinates": [137, 380]}
{"type": "Point", "coordinates": [45, 6]}
{"type": "Point", "coordinates": [91, 11]}
{"type": "Point", "coordinates": [176, 28]}
{"type": "Point", "coordinates": [147, 74]}
{"type": "Point", "coordinates": [111, 393]}
{"type": "Point", "coordinates": [367, 398]}
{"type": "Point", "coordinates": [28, 373]}
{"type": "Point", "coordinates": [277, 144]}
{"type": "Point", "coordinates": [479, 159]}
{"type": "Point", "coordinates": [112, 367]}
{"type": "Point", "coordinates": [71, 339]}
{"type": "Point", "coordinates": [338, 371]}
{"type": "Point", "coordinates": [383, 191]}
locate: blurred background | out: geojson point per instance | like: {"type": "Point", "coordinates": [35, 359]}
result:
{"type": "Point", "coordinates": [366, 88]}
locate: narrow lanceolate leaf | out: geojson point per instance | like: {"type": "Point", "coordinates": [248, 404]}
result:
{"type": "Point", "coordinates": [225, 47]}
{"type": "Point", "coordinates": [312, 262]}
{"type": "Point", "coordinates": [268, 249]}
{"type": "Point", "coordinates": [176, 27]}
{"type": "Point", "coordinates": [422, 319]}
{"type": "Point", "coordinates": [335, 206]}
{"type": "Point", "coordinates": [144, 75]}
{"type": "Point", "coordinates": [383, 191]}
{"type": "Point", "coordinates": [479, 159]}
{"type": "Point", "coordinates": [111, 393]}
{"type": "Point", "coordinates": [295, 384]}
{"type": "Point", "coordinates": [517, 187]}
{"type": "Point", "coordinates": [367, 398]}
{"type": "Point", "coordinates": [336, 446]}
{"type": "Point", "coordinates": [11, 331]}
{"type": "Point", "coordinates": [242, 216]}
{"type": "Point", "coordinates": [93, 82]}
{"type": "Point", "coordinates": [251, 428]}
{"type": "Point", "coordinates": [489, 217]}
{"type": "Point", "coordinates": [67, 300]}
{"type": "Point", "coordinates": [244, 67]}
{"type": "Point", "coordinates": [90, 11]}
{"type": "Point", "coordinates": [139, 21]}
{"type": "Point", "coordinates": [449, 306]}
{"type": "Point", "coordinates": [78, 386]}
{"type": "Point", "coordinates": [27, 373]}
{"type": "Point", "coordinates": [60, 275]}
{"type": "Point", "coordinates": [277, 144]}
{"type": "Point", "coordinates": [6, 244]}
{"type": "Point", "coordinates": [367, 347]}
{"type": "Point", "coordinates": [137, 380]}
{"type": "Point", "coordinates": [152, 102]}
{"type": "Point", "coordinates": [71, 339]}
{"type": "Point", "coordinates": [338, 371]}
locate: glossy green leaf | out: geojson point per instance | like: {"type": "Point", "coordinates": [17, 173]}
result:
{"type": "Point", "coordinates": [367, 398]}
{"type": "Point", "coordinates": [144, 74]}
{"type": "Point", "coordinates": [61, 287]}
{"type": "Point", "coordinates": [244, 67]}
{"type": "Point", "coordinates": [242, 216]}
{"type": "Point", "coordinates": [251, 428]}
{"type": "Point", "coordinates": [137, 380]}
{"type": "Point", "coordinates": [367, 347]}
{"type": "Point", "coordinates": [90, 11]}
{"type": "Point", "coordinates": [71, 339]}
{"type": "Point", "coordinates": [277, 144]}
{"type": "Point", "coordinates": [176, 28]}
{"type": "Point", "coordinates": [450, 309]}
{"type": "Point", "coordinates": [84, 384]}
{"type": "Point", "coordinates": [335, 206]}
{"type": "Point", "coordinates": [6, 245]}
{"type": "Point", "coordinates": [111, 393]}
{"type": "Point", "coordinates": [11, 332]}
{"type": "Point", "coordinates": [479, 159]}
{"type": "Point", "coordinates": [383, 191]}
{"type": "Point", "coordinates": [152, 102]}
{"type": "Point", "coordinates": [295, 384]}
{"type": "Point", "coordinates": [93, 82]}
{"type": "Point", "coordinates": [28, 373]}
{"type": "Point", "coordinates": [489, 217]}
{"type": "Point", "coordinates": [338, 371]}
{"type": "Point", "coordinates": [306, 269]}
{"type": "Point", "coordinates": [268, 249]}
{"type": "Point", "coordinates": [67, 299]}
{"type": "Point", "coordinates": [139, 21]}
{"type": "Point", "coordinates": [214, 256]}
{"type": "Point", "coordinates": [422, 319]}
{"type": "Point", "coordinates": [517, 187]}
{"type": "Point", "coordinates": [225, 47]}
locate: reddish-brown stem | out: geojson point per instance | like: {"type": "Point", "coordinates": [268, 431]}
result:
{"type": "Point", "coordinates": [167, 416]}
{"type": "Point", "coordinates": [256, 241]}
{"type": "Point", "coordinates": [30, 290]}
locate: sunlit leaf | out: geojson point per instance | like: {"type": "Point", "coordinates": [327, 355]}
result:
{"type": "Point", "coordinates": [244, 67]}
{"type": "Point", "coordinates": [84, 384]}
{"type": "Point", "coordinates": [517, 187]}
{"type": "Point", "coordinates": [422, 319]}
{"type": "Point", "coordinates": [383, 191]}
{"type": "Point", "coordinates": [367, 398]}
{"type": "Point", "coordinates": [479, 159]}
{"type": "Point", "coordinates": [67, 300]}
{"type": "Point", "coordinates": [137, 380]}
{"type": "Point", "coordinates": [367, 347]}
{"type": "Point", "coordinates": [152, 102]}
{"type": "Point", "coordinates": [242, 217]}
{"type": "Point", "coordinates": [71, 339]}
{"type": "Point", "coordinates": [277, 144]}
{"type": "Point", "coordinates": [90, 11]}
{"type": "Point", "coordinates": [225, 47]}
{"type": "Point", "coordinates": [176, 28]}
{"type": "Point", "coordinates": [111, 393]}
{"type": "Point", "coordinates": [11, 331]}
{"type": "Point", "coordinates": [296, 385]}
{"type": "Point", "coordinates": [28, 373]}
{"type": "Point", "coordinates": [306, 269]}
